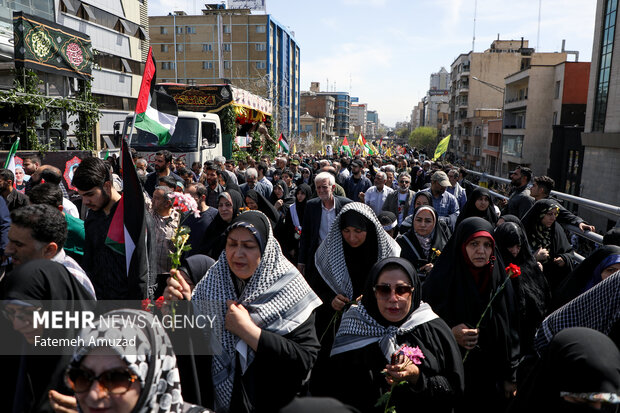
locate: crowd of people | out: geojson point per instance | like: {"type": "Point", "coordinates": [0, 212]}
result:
{"type": "Point", "coordinates": [346, 284]}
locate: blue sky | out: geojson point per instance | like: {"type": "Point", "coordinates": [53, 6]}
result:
{"type": "Point", "coordinates": [383, 51]}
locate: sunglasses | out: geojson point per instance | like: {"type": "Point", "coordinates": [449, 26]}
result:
{"type": "Point", "coordinates": [404, 182]}
{"type": "Point", "coordinates": [384, 291]}
{"type": "Point", "coordinates": [113, 381]}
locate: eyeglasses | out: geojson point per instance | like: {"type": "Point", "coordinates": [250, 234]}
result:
{"type": "Point", "coordinates": [404, 182]}
{"type": "Point", "coordinates": [384, 291]}
{"type": "Point", "coordinates": [25, 316]}
{"type": "Point", "coordinates": [113, 381]}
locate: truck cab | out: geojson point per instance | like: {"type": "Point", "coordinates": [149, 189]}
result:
{"type": "Point", "coordinates": [197, 137]}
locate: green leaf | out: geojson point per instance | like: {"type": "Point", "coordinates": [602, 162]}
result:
{"type": "Point", "coordinates": [383, 399]}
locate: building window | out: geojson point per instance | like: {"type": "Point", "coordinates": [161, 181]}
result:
{"type": "Point", "coordinates": [190, 30]}
{"type": "Point", "coordinates": [260, 47]}
{"type": "Point", "coordinates": [557, 89]}
{"type": "Point", "coordinates": [227, 64]}
{"type": "Point", "coordinates": [163, 30]}
{"type": "Point", "coordinates": [513, 145]}
{"type": "Point", "coordinates": [179, 47]}
{"type": "Point", "coordinates": [261, 65]}
{"type": "Point", "coordinates": [164, 48]}
{"type": "Point", "coordinates": [207, 65]}
{"type": "Point", "coordinates": [260, 29]}
{"type": "Point", "coordinates": [227, 47]}
{"type": "Point", "coordinates": [207, 47]}
{"type": "Point", "coordinates": [191, 82]}
{"type": "Point", "coordinates": [555, 118]}
{"type": "Point", "coordinates": [179, 29]}
{"type": "Point", "coordinates": [604, 66]}
{"type": "Point", "coordinates": [227, 28]}
{"type": "Point", "coordinates": [167, 65]}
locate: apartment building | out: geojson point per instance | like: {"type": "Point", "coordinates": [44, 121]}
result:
{"type": "Point", "coordinates": [118, 30]}
{"type": "Point", "coordinates": [251, 51]}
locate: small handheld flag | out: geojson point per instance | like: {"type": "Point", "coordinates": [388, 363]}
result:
{"type": "Point", "coordinates": [283, 144]}
{"type": "Point", "coordinates": [442, 147]}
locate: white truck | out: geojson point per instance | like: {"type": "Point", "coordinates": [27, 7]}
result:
{"type": "Point", "coordinates": [197, 137]}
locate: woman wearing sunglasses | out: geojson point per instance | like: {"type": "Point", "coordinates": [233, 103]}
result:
{"type": "Point", "coordinates": [391, 314]}
{"type": "Point", "coordinates": [459, 288]}
{"type": "Point", "coordinates": [137, 378]}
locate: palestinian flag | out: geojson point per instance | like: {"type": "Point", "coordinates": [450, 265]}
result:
{"type": "Point", "coordinates": [10, 160]}
{"type": "Point", "coordinates": [283, 144]}
{"type": "Point", "coordinates": [156, 111]}
{"type": "Point", "coordinates": [128, 230]}
{"type": "Point", "coordinates": [345, 147]}
{"type": "Point", "coordinates": [361, 141]}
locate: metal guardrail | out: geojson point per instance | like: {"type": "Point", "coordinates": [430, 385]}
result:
{"type": "Point", "coordinates": [588, 203]}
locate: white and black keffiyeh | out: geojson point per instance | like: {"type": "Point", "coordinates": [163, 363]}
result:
{"type": "Point", "coordinates": [598, 309]}
{"type": "Point", "coordinates": [358, 329]}
{"type": "Point", "coordinates": [277, 297]}
{"type": "Point", "coordinates": [152, 358]}
{"type": "Point", "coordinates": [329, 258]}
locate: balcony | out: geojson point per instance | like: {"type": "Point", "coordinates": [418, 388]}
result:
{"type": "Point", "coordinates": [515, 103]}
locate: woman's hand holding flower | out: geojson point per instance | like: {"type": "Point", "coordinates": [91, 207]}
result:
{"type": "Point", "coordinates": [402, 370]}
{"type": "Point", "coordinates": [339, 302]}
{"type": "Point", "coordinates": [466, 337]}
{"type": "Point", "coordinates": [177, 287]}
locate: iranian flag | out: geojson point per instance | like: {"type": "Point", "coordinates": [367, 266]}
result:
{"type": "Point", "coordinates": [283, 143]}
{"type": "Point", "coordinates": [361, 141]}
{"type": "Point", "coordinates": [156, 111]}
{"type": "Point", "coordinates": [345, 146]}
{"type": "Point", "coordinates": [10, 160]}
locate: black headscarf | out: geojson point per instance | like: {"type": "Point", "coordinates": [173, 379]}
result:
{"type": "Point", "coordinates": [214, 240]}
{"type": "Point", "coordinates": [470, 210]}
{"type": "Point", "coordinates": [229, 184]}
{"type": "Point", "coordinates": [264, 206]}
{"type": "Point", "coordinates": [578, 361]}
{"type": "Point", "coordinates": [370, 301]}
{"type": "Point", "coordinates": [360, 259]}
{"type": "Point", "coordinates": [286, 196]}
{"type": "Point", "coordinates": [196, 266]}
{"type": "Point", "coordinates": [531, 288]}
{"type": "Point", "coordinates": [46, 284]}
{"type": "Point", "coordinates": [425, 194]}
{"type": "Point", "coordinates": [301, 206]}
{"type": "Point", "coordinates": [455, 296]}
{"type": "Point", "coordinates": [586, 275]}
{"type": "Point", "coordinates": [255, 223]}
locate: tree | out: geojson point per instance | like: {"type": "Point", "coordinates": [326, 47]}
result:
{"type": "Point", "coordinates": [424, 137]}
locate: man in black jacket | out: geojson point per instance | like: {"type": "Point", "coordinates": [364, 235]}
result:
{"type": "Point", "coordinates": [163, 162]}
{"type": "Point", "coordinates": [319, 214]}
{"type": "Point", "coordinates": [520, 200]}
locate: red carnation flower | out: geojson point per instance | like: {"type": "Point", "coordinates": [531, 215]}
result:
{"type": "Point", "coordinates": [513, 270]}
{"type": "Point", "coordinates": [160, 302]}
{"type": "Point", "coordinates": [146, 303]}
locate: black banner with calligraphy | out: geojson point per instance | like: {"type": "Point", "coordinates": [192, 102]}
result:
{"type": "Point", "coordinates": [49, 47]}
{"type": "Point", "coordinates": [199, 98]}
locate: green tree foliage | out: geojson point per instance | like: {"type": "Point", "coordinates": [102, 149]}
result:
{"type": "Point", "coordinates": [424, 137]}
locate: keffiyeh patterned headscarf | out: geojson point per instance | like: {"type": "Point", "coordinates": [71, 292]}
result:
{"type": "Point", "coordinates": [330, 260]}
{"type": "Point", "coordinates": [358, 329]}
{"type": "Point", "coordinates": [152, 359]}
{"type": "Point", "coordinates": [277, 297]}
{"type": "Point", "coordinates": [540, 235]}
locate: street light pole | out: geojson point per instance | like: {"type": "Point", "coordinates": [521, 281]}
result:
{"type": "Point", "coordinates": [501, 136]}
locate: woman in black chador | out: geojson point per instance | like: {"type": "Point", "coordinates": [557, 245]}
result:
{"type": "Point", "coordinates": [425, 240]}
{"type": "Point", "coordinates": [463, 280]}
{"type": "Point", "coordinates": [479, 204]}
{"type": "Point", "coordinates": [548, 241]}
{"type": "Point", "coordinates": [392, 314]}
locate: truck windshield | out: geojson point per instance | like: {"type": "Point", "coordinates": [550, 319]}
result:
{"type": "Point", "coordinates": [184, 138]}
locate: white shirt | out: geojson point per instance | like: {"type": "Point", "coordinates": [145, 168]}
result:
{"type": "Point", "coordinates": [69, 207]}
{"type": "Point", "coordinates": [327, 217]}
{"type": "Point", "coordinates": [375, 198]}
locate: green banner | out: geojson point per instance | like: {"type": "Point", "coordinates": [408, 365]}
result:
{"type": "Point", "coordinates": [49, 47]}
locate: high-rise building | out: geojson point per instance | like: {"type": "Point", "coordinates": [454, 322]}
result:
{"type": "Point", "coordinates": [477, 92]}
{"type": "Point", "coordinates": [319, 107]}
{"type": "Point", "coordinates": [118, 30]}
{"type": "Point", "coordinates": [251, 51]}
{"type": "Point", "coordinates": [601, 136]}
{"type": "Point", "coordinates": [358, 117]}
